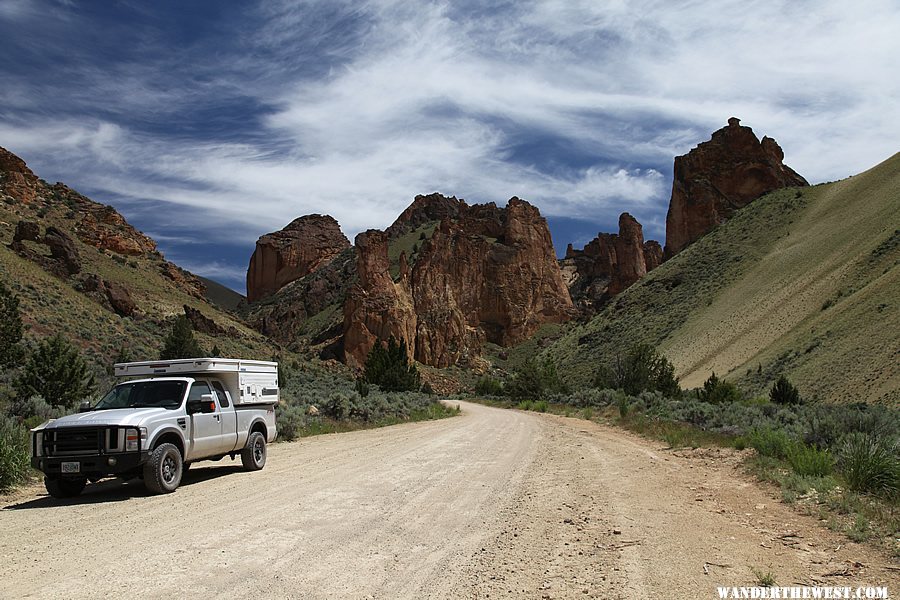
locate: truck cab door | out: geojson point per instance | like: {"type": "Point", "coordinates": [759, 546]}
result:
{"type": "Point", "coordinates": [206, 429]}
{"type": "Point", "coordinates": [229, 417]}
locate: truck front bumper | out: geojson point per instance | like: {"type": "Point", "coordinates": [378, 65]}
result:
{"type": "Point", "coordinates": [93, 464]}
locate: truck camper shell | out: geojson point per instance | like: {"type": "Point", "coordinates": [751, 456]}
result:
{"type": "Point", "coordinates": [247, 381]}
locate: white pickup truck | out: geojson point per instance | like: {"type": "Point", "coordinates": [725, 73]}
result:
{"type": "Point", "coordinates": [173, 414]}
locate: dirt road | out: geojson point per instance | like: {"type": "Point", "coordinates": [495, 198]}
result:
{"type": "Point", "coordinates": [489, 504]}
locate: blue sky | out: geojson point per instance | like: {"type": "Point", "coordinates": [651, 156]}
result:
{"type": "Point", "coordinates": [208, 124]}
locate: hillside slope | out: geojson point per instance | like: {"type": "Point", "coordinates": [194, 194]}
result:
{"type": "Point", "coordinates": [802, 282]}
{"type": "Point", "coordinates": [64, 286]}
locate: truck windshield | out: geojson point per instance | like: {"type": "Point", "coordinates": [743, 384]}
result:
{"type": "Point", "coordinates": [144, 394]}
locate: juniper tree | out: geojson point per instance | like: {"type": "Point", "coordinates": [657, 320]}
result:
{"type": "Point", "coordinates": [56, 371]}
{"type": "Point", "coordinates": [10, 327]}
{"type": "Point", "coordinates": [389, 368]}
{"type": "Point", "coordinates": [180, 342]}
{"type": "Point", "coordinates": [784, 392]}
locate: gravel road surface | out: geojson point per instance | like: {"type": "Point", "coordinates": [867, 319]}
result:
{"type": "Point", "coordinates": [491, 504]}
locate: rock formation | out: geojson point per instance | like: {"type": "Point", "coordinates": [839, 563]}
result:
{"type": "Point", "coordinates": [610, 263]}
{"type": "Point", "coordinates": [486, 274]}
{"type": "Point", "coordinates": [113, 295]}
{"type": "Point", "coordinates": [302, 247]}
{"type": "Point", "coordinates": [376, 307]}
{"type": "Point", "coordinates": [426, 209]}
{"type": "Point", "coordinates": [16, 178]}
{"type": "Point", "coordinates": [720, 176]}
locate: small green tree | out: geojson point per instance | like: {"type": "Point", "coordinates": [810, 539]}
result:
{"type": "Point", "coordinates": [719, 391]}
{"type": "Point", "coordinates": [10, 327]}
{"type": "Point", "coordinates": [784, 392]}
{"type": "Point", "coordinates": [180, 342]}
{"type": "Point", "coordinates": [389, 368]}
{"type": "Point", "coordinates": [215, 352]}
{"type": "Point", "coordinates": [641, 369]}
{"type": "Point", "coordinates": [57, 372]}
{"type": "Point", "coordinates": [534, 381]}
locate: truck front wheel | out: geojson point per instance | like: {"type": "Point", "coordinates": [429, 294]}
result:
{"type": "Point", "coordinates": [253, 456]}
{"type": "Point", "coordinates": [162, 471]}
{"type": "Point", "coordinates": [64, 488]}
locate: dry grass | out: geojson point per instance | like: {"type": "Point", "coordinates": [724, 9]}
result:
{"type": "Point", "coordinates": [803, 282]}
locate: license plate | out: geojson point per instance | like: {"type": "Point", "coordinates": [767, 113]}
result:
{"type": "Point", "coordinates": [70, 467]}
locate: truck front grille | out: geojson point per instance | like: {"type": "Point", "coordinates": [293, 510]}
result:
{"type": "Point", "coordinates": [73, 440]}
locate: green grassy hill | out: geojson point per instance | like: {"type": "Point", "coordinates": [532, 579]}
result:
{"type": "Point", "coordinates": [803, 281]}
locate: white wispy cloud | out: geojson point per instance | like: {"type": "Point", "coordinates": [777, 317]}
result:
{"type": "Point", "coordinates": [421, 97]}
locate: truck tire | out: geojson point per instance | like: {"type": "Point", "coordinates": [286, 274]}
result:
{"type": "Point", "coordinates": [253, 456]}
{"type": "Point", "coordinates": [162, 472]}
{"type": "Point", "coordinates": [64, 488]}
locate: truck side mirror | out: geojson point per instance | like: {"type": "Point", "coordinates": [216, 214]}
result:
{"type": "Point", "coordinates": [205, 405]}
{"type": "Point", "coordinates": [85, 406]}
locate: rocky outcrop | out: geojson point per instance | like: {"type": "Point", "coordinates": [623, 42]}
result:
{"type": "Point", "coordinates": [720, 176]}
{"type": "Point", "coordinates": [376, 307]}
{"type": "Point", "coordinates": [63, 250]}
{"type": "Point", "coordinates": [201, 323]}
{"type": "Point", "coordinates": [288, 311]}
{"type": "Point", "coordinates": [114, 296]}
{"type": "Point", "coordinates": [16, 179]}
{"type": "Point", "coordinates": [26, 231]}
{"type": "Point", "coordinates": [426, 209]}
{"type": "Point", "coordinates": [485, 274]}
{"type": "Point", "coordinates": [120, 299]}
{"type": "Point", "coordinates": [653, 254]}
{"type": "Point", "coordinates": [185, 280]}
{"type": "Point", "coordinates": [302, 247]}
{"type": "Point", "coordinates": [610, 263]}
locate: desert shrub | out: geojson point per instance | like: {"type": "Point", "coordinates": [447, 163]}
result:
{"type": "Point", "coordinates": [784, 392]}
{"type": "Point", "coordinates": [10, 327]}
{"type": "Point", "coordinates": [33, 408]}
{"type": "Point", "coordinates": [641, 369]}
{"type": "Point", "coordinates": [719, 391]}
{"type": "Point", "coordinates": [389, 368]}
{"type": "Point", "coordinates": [361, 387]}
{"type": "Point", "coordinates": [180, 342]}
{"type": "Point", "coordinates": [336, 406]}
{"type": "Point", "coordinates": [774, 443]}
{"type": "Point", "coordinates": [488, 386]}
{"type": "Point", "coordinates": [870, 464]}
{"type": "Point", "coordinates": [826, 424]}
{"type": "Point", "coordinates": [56, 371]}
{"type": "Point", "coordinates": [810, 461]}
{"type": "Point", "coordinates": [14, 453]}
{"type": "Point", "coordinates": [589, 397]}
{"type": "Point", "coordinates": [427, 389]}
{"type": "Point", "coordinates": [291, 420]}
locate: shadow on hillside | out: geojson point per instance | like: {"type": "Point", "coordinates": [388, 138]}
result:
{"type": "Point", "coordinates": [115, 490]}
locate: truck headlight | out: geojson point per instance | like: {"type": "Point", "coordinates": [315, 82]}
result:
{"type": "Point", "coordinates": [133, 437]}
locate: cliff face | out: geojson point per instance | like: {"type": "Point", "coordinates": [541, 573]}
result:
{"type": "Point", "coordinates": [488, 274]}
{"type": "Point", "coordinates": [302, 247]}
{"type": "Point", "coordinates": [720, 176]}
{"type": "Point", "coordinates": [610, 263]}
{"type": "Point", "coordinates": [376, 307]}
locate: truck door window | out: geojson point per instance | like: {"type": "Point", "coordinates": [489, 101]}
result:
{"type": "Point", "coordinates": [198, 389]}
{"type": "Point", "coordinates": [220, 392]}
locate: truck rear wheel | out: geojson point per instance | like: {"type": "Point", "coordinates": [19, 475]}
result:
{"type": "Point", "coordinates": [64, 488]}
{"type": "Point", "coordinates": [162, 472]}
{"type": "Point", "coordinates": [253, 456]}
